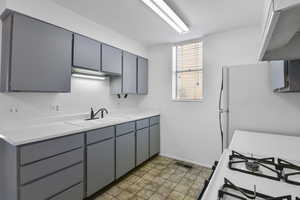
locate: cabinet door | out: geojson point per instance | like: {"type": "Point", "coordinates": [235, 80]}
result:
{"type": "Point", "coordinates": [142, 76]}
{"type": "Point", "coordinates": [154, 140]}
{"type": "Point", "coordinates": [125, 154]}
{"type": "Point", "coordinates": [41, 56]}
{"type": "Point", "coordinates": [142, 145]}
{"type": "Point", "coordinates": [86, 53]}
{"type": "Point", "coordinates": [100, 165]}
{"type": "Point", "coordinates": [111, 60]}
{"type": "Point", "coordinates": [129, 75]}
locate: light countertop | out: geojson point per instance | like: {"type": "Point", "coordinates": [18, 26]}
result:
{"type": "Point", "coordinates": [25, 134]}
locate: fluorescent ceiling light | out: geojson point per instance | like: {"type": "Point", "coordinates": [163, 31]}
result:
{"type": "Point", "coordinates": [167, 14]}
{"type": "Point", "coordinates": [88, 76]}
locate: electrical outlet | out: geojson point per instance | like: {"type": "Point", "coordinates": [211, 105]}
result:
{"type": "Point", "coordinates": [13, 110]}
{"type": "Point", "coordinates": [55, 108]}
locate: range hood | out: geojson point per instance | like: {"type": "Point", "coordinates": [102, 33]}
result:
{"type": "Point", "coordinates": [281, 32]}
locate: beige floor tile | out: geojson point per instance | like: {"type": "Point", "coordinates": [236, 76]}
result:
{"type": "Point", "coordinates": [152, 186]}
{"type": "Point", "coordinates": [193, 193]}
{"type": "Point", "coordinates": [154, 172]}
{"type": "Point", "coordinates": [158, 181]}
{"type": "Point", "coordinates": [114, 191]}
{"type": "Point", "coordinates": [157, 197]}
{"type": "Point", "coordinates": [145, 193]}
{"type": "Point", "coordinates": [189, 198]}
{"type": "Point", "coordinates": [132, 179]}
{"type": "Point", "coordinates": [125, 195]}
{"type": "Point", "coordinates": [187, 182]}
{"type": "Point", "coordinates": [140, 173]}
{"type": "Point", "coordinates": [175, 178]}
{"type": "Point", "coordinates": [181, 188]}
{"type": "Point", "coordinates": [137, 198]}
{"type": "Point", "coordinates": [104, 197]}
{"type": "Point", "coordinates": [133, 188]}
{"type": "Point", "coordinates": [164, 191]}
{"type": "Point", "coordinates": [169, 184]}
{"type": "Point", "coordinates": [124, 184]}
{"type": "Point", "coordinates": [176, 196]}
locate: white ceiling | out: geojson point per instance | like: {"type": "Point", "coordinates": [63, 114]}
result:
{"type": "Point", "coordinates": [135, 20]}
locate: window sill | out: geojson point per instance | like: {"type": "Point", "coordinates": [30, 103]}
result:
{"type": "Point", "coordinates": [187, 100]}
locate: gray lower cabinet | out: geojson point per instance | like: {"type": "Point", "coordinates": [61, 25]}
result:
{"type": "Point", "coordinates": [77, 166]}
{"type": "Point", "coordinates": [154, 139]}
{"type": "Point", "coordinates": [52, 169]}
{"type": "Point", "coordinates": [142, 145]}
{"type": "Point", "coordinates": [86, 53]}
{"type": "Point", "coordinates": [111, 60]}
{"type": "Point", "coordinates": [125, 154]}
{"type": "Point", "coordinates": [52, 185]}
{"type": "Point", "coordinates": [100, 165]}
{"type": "Point", "coordinates": [73, 193]}
{"type": "Point", "coordinates": [142, 76]}
{"type": "Point", "coordinates": [36, 56]}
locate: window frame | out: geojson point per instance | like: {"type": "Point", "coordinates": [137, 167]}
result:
{"type": "Point", "coordinates": [175, 72]}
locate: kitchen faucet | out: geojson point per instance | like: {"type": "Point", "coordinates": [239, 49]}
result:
{"type": "Point", "coordinates": [94, 114]}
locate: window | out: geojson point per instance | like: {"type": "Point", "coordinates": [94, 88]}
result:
{"type": "Point", "coordinates": [188, 72]}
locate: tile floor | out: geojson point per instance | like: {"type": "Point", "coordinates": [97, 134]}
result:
{"type": "Point", "coordinates": [159, 179]}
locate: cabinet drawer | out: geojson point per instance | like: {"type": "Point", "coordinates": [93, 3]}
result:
{"type": "Point", "coordinates": [38, 151]}
{"type": "Point", "coordinates": [154, 120]}
{"type": "Point", "coordinates": [125, 128]}
{"type": "Point", "coordinates": [42, 168]}
{"type": "Point", "coordinates": [100, 134]}
{"type": "Point", "coordinates": [142, 124]}
{"type": "Point", "coordinates": [52, 185]}
{"type": "Point", "coordinates": [74, 193]}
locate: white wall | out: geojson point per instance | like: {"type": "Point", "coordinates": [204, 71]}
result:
{"type": "Point", "coordinates": [84, 93]}
{"type": "Point", "coordinates": [190, 129]}
{"type": "Point", "coordinates": [253, 106]}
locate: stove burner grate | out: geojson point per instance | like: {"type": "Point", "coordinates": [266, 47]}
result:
{"type": "Point", "coordinates": [294, 170]}
{"type": "Point", "coordinates": [254, 164]}
{"type": "Point", "coordinates": [229, 190]}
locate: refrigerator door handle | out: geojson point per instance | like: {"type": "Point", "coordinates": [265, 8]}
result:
{"type": "Point", "coordinates": [221, 110]}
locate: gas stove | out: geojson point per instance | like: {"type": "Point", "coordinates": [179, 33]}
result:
{"type": "Point", "coordinates": [244, 176]}
{"type": "Point", "coordinates": [269, 167]}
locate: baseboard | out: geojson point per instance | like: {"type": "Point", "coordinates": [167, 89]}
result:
{"type": "Point", "coordinates": [185, 160]}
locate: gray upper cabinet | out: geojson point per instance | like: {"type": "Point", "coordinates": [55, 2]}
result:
{"type": "Point", "coordinates": [111, 60]}
{"type": "Point", "coordinates": [127, 83]}
{"type": "Point", "coordinates": [36, 56]}
{"type": "Point", "coordinates": [129, 80]}
{"type": "Point", "coordinates": [86, 53]}
{"type": "Point", "coordinates": [142, 77]}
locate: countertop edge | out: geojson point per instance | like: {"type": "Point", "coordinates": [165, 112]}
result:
{"type": "Point", "coordinates": [79, 129]}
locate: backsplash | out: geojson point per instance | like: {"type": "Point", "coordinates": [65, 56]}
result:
{"type": "Point", "coordinates": [84, 94]}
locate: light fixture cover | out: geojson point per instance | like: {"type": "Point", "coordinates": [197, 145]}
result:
{"type": "Point", "coordinates": [167, 14]}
